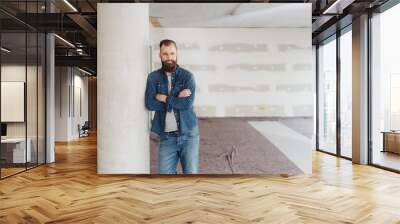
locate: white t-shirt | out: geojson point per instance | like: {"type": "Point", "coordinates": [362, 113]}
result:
{"type": "Point", "coordinates": [170, 120]}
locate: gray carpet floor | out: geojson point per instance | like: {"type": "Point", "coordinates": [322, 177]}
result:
{"type": "Point", "coordinates": [232, 146]}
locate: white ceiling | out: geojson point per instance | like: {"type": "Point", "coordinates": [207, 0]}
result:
{"type": "Point", "coordinates": [250, 15]}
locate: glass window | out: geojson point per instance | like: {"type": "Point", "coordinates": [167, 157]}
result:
{"type": "Point", "coordinates": [346, 94]}
{"type": "Point", "coordinates": [41, 79]}
{"type": "Point", "coordinates": [385, 87]}
{"type": "Point", "coordinates": [31, 88]}
{"type": "Point", "coordinates": [13, 86]}
{"type": "Point", "coordinates": [31, 101]}
{"type": "Point", "coordinates": [327, 97]}
{"type": "Point", "coordinates": [22, 92]}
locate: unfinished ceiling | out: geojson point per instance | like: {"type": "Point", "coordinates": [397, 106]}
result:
{"type": "Point", "coordinates": [249, 15]}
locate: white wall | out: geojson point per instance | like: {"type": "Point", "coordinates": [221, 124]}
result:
{"type": "Point", "coordinates": [33, 127]}
{"type": "Point", "coordinates": [15, 73]}
{"type": "Point", "coordinates": [245, 71]}
{"type": "Point", "coordinates": [80, 115]}
{"type": "Point", "coordinates": [13, 100]}
{"type": "Point", "coordinates": [12, 73]}
{"type": "Point", "coordinates": [67, 116]}
{"type": "Point", "coordinates": [122, 64]}
{"type": "Point", "coordinates": [62, 80]}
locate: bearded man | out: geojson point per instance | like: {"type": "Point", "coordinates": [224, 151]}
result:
{"type": "Point", "coordinates": [170, 92]}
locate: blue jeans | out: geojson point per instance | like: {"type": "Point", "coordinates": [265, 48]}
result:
{"type": "Point", "coordinates": [179, 148]}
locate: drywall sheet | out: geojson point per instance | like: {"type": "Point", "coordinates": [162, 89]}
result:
{"type": "Point", "coordinates": [245, 72]}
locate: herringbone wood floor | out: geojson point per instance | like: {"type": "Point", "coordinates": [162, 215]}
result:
{"type": "Point", "coordinates": [70, 191]}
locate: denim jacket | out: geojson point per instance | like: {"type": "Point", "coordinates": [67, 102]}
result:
{"type": "Point", "coordinates": [182, 107]}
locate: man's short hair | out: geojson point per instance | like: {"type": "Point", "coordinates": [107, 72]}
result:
{"type": "Point", "coordinates": [167, 42]}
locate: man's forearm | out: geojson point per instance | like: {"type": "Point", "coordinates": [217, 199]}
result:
{"type": "Point", "coordinates": [154, 105]}
{"type": "Point", "coordinates": [161, 98]}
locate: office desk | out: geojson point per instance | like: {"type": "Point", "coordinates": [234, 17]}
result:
{"type": "Point", "coordinates": [391, 141]}
{"type": "Point", "coordinates": [16, 147]}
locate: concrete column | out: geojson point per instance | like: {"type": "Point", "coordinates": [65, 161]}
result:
{"type": "Point", "coordinates": [50, 99]}
{"type": "Point", "coordinates": [360, 90]}
{"type": "Point", "coordinates": [122, 63]}
{"type": "Point", "coordinates": [50, 92]}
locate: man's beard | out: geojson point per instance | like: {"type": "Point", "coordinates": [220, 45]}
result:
{"type": "Point", "coordinates": [169, 67]}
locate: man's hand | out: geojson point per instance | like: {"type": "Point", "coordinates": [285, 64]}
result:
{"type": "Point", "coordinates": [162, 98]}
{"type": "Point", "coordinates": [185, 93]}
